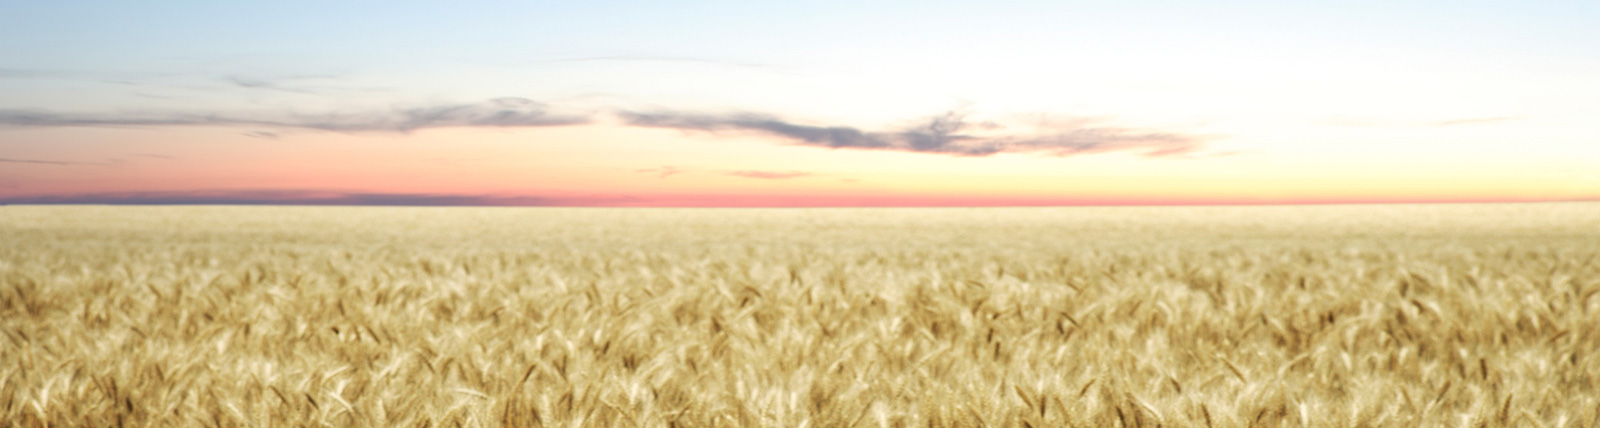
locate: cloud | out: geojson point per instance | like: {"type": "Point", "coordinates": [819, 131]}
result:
{"type": "Point", "coordinates": [264, 84]}
{"type": "Point", "coordinates": [14, 73]}
{"type": "Point", "coordinates": [1474, 120]}
{"type": "Point", "coordinates": [770, 175]}
{"type": "Point", "coordinates": [304, 84]}
{"type": "Point", "coordinates": [1370, 122]}
{"type": "Point", "coordinates": [664, 172]}
{"type": "Point", "coordinates": [950, 133]}
{"type": "Point", "coordinates": [664, 59]}
{"type": "Point", "coordinates": [499, 112]}
{"type": "Point", "coordinates": [265, 135]}
{"type": "Point", "coordinates": [29, 73]}
{"type": "Point", "coordinates": [836, 136]}
{"type": "Point", "coordinates": [45, 162]}
{"type": "Point", "coordinates": [299, 197]}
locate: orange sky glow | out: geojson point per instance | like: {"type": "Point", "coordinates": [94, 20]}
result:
{"type": "Point", "coordinates": [618, 166]}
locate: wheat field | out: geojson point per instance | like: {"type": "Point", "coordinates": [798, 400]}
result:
{"type": "Point", "coordinates": [1314, 316]}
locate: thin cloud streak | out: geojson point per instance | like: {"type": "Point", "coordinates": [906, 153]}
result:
{"type": "Point", "coordinates": [670, 59]}
{"type": "Point", "coordinates": [301, 84]}
{"type": "Point", "coordinates": [770, 175]}
{"type": "Point", "coordinates": [265, 135]}
{"type": "Point", "coordinates": [46, 162]}
{"type": "Point", "coordinates": [265, 84]}
{"type": "Point", "coordinates": [24, 73]}
{"type": "Point", "coordinates": [1367, 122]}
{"type": "Point", "coordinates": [1474, 121]}
{"type": "Point", "coordinates": [949, 133]}
{"type": "Point", "coordinates": [495, 113]}
{"type": "Point", "coordinates": [302, 197]}
{"type": "Point", "coordinates": [662, 172]}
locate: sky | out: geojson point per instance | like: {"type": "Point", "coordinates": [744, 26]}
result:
{"type": "Point", "coordinates": [822, 103]}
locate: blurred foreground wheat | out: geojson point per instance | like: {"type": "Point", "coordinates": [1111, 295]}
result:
{"type": "Point", "coordinates": [1334, 316]}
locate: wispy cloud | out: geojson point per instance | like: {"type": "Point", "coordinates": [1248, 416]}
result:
{"type": "Point", "coordinates": [662, 172]}
{"type": "Point", "coordinates": [500, 112]}
{"type": "Point", "coordinates": [46, 162]}
{"type": "Point", "coordinates": [770, 175]}
{"type": "Point", "coordinates": [1474, 120]}
{"type": "Point", "coordinates": [265, 84]}
{"type": "Point", "coordinates": [265, 135]}
{"type": "Point", "coordinates": [303, 84]}
{"type": "Point", "coordinates": [1370, 122]}
{"type": "Point", "coordinates": [664, 59]}
{"type": "Point", "coordinates": [301, 197]}
{"type": "Point", "coordinates": [950, 133]}
{"type": "Point", "coordinates": [29, 73]}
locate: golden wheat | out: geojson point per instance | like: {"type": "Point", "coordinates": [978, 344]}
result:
{"type": "Point", "coordinates": [1331, 316]}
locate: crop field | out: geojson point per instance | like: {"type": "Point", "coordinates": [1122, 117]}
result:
{"type": "Point", "coordinates": [1316, 316]}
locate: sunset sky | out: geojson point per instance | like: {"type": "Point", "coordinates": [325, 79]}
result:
{"type": "Point", "coordinates": [740, 103]}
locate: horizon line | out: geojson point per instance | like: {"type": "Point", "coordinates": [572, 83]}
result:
{"type": "Point", "coordinates": [1229, 203]}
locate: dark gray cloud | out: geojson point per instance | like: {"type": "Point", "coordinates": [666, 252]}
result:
{"type": "Point", "coordinates": [770, 175]}
{"type": "Point", "coordinates": [500, 112]}
{"type": "Point", "coordinates": [297, 197]}
{"type": "Point", "coordinates": [949, 133]}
